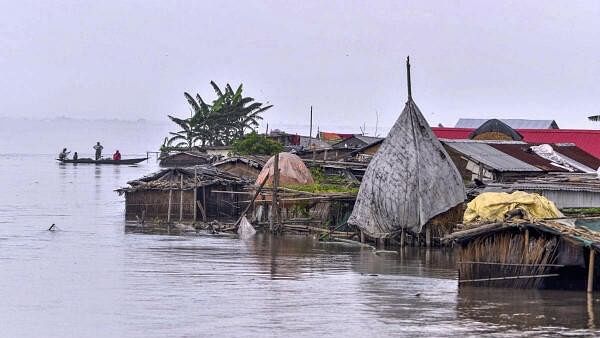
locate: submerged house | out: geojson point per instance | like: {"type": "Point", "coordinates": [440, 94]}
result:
{"type": "Point", "coordinates": [356, 141]}
{"type": "Point", "coordinates": [184, 159]}
{"type": "Point", "coordinates": [201, 193]}
{"type": "Point", "coordinates": [246, 166]}
{"type": "Point", "coordinates": [409, 181]}
{"type": "Point", "coordinates": [543, 255]}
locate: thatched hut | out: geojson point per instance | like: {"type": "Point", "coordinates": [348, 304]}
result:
{"type": "Point", "coordinates": [184, 159]}
{"type": "Point", "coordinates": [199, 193]}
{"type": "Point", "coordinates": [245, 166]}
{"type": "Point", "coordinates": [545, 254]}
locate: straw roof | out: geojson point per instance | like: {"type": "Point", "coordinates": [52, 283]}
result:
{"type": "Point", "coordinates": [166, 179]}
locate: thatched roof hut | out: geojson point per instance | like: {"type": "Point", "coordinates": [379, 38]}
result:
{"type": "Point", "coordinates": [189, 192]}
{"type": "Point", "coordinates": [547, 254]}
{"type": "Point", "coordinates": [291, 168]}
{"type": "Point", "coordinates": [410, 180]}
{"type": "Point", "coordinates": [184, 159]}
{"type": "Point", "coordinates": [246, 166]}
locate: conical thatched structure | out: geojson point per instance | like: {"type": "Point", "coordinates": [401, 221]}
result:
{"type": "Point", "coordinates": [410, 180]}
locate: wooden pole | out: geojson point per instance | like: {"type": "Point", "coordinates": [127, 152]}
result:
{"type": "Point", "coordinates": [590, 281]}
{"type": "Point", "coordinates": [274, 202]}
{"type": "Point", "coordinates": [362, 237]}
{"type": "Point", "coordinates": [403, 237]}
{"type": "Point", "coordinates": [428, 236]}
{"type": "Point", "coordinates": [204, 204]}
{"type": "Point", "coordinates": [170, 202]}
{"type": "Point", "coordinates": [195, 193]}
{"type": "Point", "coordinates": [181, 198]}
{"type": "Point", "coordinates": [408, 77]}
{"type": "Point", "coordinates": [526, 244]}
{"type": "Point", "coordinates": [310, 130]}
{"type": "Point", "coordinates": [262, 184]}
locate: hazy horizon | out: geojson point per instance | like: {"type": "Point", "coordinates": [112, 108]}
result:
{"type": "Point", "coordinates": [134, 60]}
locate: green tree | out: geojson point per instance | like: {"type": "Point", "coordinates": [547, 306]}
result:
{"type": "Point", "coordinates": [222, 122]}
{"type": "Point", "coordinates": [255, 144]}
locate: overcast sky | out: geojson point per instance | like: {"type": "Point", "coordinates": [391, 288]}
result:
{"type": "Point", "coordinates": [134, 59]}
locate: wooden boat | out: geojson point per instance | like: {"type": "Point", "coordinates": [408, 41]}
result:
{"type": "Point", "coordinates": [103, 161]}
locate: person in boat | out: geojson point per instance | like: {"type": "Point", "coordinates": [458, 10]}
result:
{"type": "Point", "coordinates": [98, 147]}
{"type": "Point", "coordinates": [75, 156]}
{"type": "Point", "coordinates": [117, 156]}
{"type": "Point", "coordinates": [63, 154]}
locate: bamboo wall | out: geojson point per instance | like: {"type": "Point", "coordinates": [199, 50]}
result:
{"type": "Point", "coordinates": [155, 204]}
{"type": "Point", "coordinates": [501, 256]}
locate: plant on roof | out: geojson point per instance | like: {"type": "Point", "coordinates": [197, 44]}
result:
{"type": "Point", "coordinates": [255, 144]}
{"type": "Point", "coordinates": [225, 120]}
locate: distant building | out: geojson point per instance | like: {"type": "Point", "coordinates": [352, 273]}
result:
{"type": "Point", "coordinates": [356, 142]}
{"type": "Point", "coordinates": [513, 123]}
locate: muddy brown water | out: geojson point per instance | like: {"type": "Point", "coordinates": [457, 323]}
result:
{"type": "Point", "coordinates": [90, 278]}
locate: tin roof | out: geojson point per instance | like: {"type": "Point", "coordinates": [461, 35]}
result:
{"type": "Point", "coordinates": [513, 123]}
{"type": "Point", "coordinates": [556, 182]}
{"type": "Point", "coordinates": [587, 140]}
{"type": "Point", "coordinates": [487, 154]}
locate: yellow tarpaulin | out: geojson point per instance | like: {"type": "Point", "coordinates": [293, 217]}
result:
{"type": "Point", "coordinates": [493, 206]}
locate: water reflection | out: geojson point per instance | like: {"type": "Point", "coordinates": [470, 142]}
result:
{"type": "Point", "coordinates": [92, 275]}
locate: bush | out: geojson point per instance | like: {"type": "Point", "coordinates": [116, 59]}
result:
{"type": "Point", "coordinates": [254, 144]}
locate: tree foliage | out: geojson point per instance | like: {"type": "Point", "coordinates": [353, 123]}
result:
{"type": "Point", "coordinates": [223, 121]}
{"type": "Point", "coordinates": [255, 144]}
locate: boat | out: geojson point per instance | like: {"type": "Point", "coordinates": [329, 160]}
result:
{"type": "Point", "coordinates": [103, 161]}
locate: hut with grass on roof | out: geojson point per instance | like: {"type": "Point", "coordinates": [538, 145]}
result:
{"type": "Point", "coordinates": [302, 204]}
{"type": "Point", "coordinates": [410, 184]}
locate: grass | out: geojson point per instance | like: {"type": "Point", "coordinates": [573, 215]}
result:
{"type": "Point", "coordinates": [327, 184]}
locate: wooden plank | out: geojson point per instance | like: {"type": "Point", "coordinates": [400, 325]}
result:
{"type": "Point", "coordinates": [506, 278]}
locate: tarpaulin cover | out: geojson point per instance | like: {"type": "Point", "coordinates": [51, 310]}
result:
{"type": "Point", "coordinates": [292, 170]}
{"type": "Point", "coordinates": [410, 180]}
{"type": "Point", "coordinates": [493, 207]}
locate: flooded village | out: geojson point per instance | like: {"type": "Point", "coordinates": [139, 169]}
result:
{"type": "Point", "coordinates": [518, 201]}
{"type": "Point", "coordinates": [300, 169]}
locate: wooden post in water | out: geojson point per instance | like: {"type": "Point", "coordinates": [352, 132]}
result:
{"type": "Point", "coordinates": [362, 236]}
{"type": "Point", "coordinates": [181, 198]}
{"type": "Point", "coordinates": [590, 281]}
{"type": "Point", "coordinates": [204, 203]}
{"type": "Point", "coordinates": [274, 202]}
{"type": "Point", "coordinates": [195, 193]}
{"type": "Point", "coordinates": [402, 237]}
{"type": "Point", "coordinates": [526, 244]}
{"type": "Point", "coordinates": [428, 236]}
{"type": "Point", "coordinates": [169, 208]}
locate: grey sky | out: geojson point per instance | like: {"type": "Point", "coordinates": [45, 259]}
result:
{"type": "Point", "coordinates": [134, 59]}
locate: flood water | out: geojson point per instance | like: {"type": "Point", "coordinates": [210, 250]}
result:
{"type": "Point", "coordinates": [90, 278]}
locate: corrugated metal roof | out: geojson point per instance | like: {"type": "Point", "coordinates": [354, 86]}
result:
{"type": "Point", "coordinates": [368, 139]}
{"type": "Point", "coordinates": [557, 182]}
{"type": "Point", "coordinates": [486, 154]}
{"type": "Point", "coordinates": [587, 140]}
{"type": "Point", "coordinates": [513, 123]}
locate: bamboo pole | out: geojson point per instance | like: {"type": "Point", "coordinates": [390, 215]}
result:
{"type": "Point", "coordinates": [526, 243]}
{"type": "Point", "coordinates": [428, 236]}
{"type": "Point", "coordinates": [170, 202]}
{"type": "Point", "coordinates": [262, 184]}
{"type": "Point", "coordinates": [181, 198]}
{"type": "Point", "coordinates": [506, 278]}
{"type": "Point", "coordinates": [195, 193]}
{"type": "Point", "coordinates": [362, 237]}
{"type": "Point", "coordinates": [590, 281]}
{"type": "Point", "coordinates": [274, 202]}
{"type": "Point", "coordinates": [403, 237]}
{"type": "Point", "coordinates": [204, 203]}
